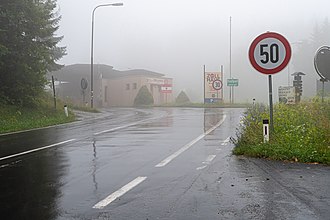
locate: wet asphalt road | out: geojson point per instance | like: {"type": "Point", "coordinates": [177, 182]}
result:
{"type": "Point", "coordinates": [152, 164]}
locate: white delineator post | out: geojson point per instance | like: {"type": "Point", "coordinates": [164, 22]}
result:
{"type": "Point", "coordinates": [66, 111]}
{"type": "Point", "coordinates": [266, 130]}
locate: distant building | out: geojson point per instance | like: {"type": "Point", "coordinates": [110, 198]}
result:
{"type": "Point", "coordinates": [111, 87]}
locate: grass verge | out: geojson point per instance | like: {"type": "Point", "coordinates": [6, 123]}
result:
{"type": "Point", "coordinates": [302, 133]}
{"type": "Point", "coordinates": [15, 118]}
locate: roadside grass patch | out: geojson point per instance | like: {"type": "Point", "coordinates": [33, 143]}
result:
{"type": "Point", "coordinates": [16, 118]}
{"type": "Point", "coordinates": [302, 133]}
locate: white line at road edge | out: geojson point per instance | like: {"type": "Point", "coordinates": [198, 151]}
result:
{"type": "Point", "coordinates": [119, 193]}
{"type": "Point", "coordinates": [187, 146]}
{"type": "Point", "coordinates": [37, 149]}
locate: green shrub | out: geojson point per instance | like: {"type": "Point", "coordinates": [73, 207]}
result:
{"type": "Point", "coordinates": [143, 97]}
{"type": "Point", "coordinates": [182, 98]}
{"type": "Point", "coordinates": [301, 133]}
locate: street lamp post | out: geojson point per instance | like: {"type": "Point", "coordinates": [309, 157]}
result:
{"type": "Point", "coordinates": [92, 47]}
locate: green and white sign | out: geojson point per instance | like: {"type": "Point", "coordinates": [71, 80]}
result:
{"type": "Point", "coordinates": [232, 82]}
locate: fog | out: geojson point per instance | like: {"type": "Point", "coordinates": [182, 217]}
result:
{"type": "Point", "coordinates": [178, 37]}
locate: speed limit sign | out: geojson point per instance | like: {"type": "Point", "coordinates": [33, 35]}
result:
{"type": "Point", "coordinates": [217, 84]}
{"type": "Point", "coordinates": [270, 53]}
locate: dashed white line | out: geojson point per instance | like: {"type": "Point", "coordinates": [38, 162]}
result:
{"type": "Point", "coordinates": [37, 149]}
{"type": "Point", "coordinates": [180, 151]}
{"type": "Point", "coordinates": [202, 167]}
{"type": "Point", "coordinates": [119, 193]}
{"type": "Point", "coordinates": [187, 146]}
{"type": "Point", "coordinates": [225, 142]}
{"type": "Point", "coordinates": [210, 158]}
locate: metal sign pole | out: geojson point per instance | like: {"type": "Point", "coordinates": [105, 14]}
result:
{"type": "Point", "coordinates": [270, 49]}
{"type": "Point", "coordinates": [322, 90]}
{"type": "Point", "coordinates": [222, 91]}
{"type": "Point", "coordinates": [271, 102]}
{"type": "Point", "coordinates": [204, 83]}
{"type": "Point", "coordinates": [230, 88]}
{"type": "Point", "coordinates": [54, 92]}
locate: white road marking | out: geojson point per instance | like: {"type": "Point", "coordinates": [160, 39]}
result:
{"type": "Point", "coordinates": [202, 167]}
{"type": "Point", "coordinates": [210, 158]}
{"type": "Point", "coordinates": [37, 149]}
{"type": "Point", "coordinates": [5, 165]}
{"type": "Point", "coordinates": [128, 125]}
{"type": "Point", "coordinates": [207, 162]}
{"type": "Point", "coordinates": [119, 193]}
{"type": "Point", "coordinates": [225, 142]}
{"type": "Point", "coordinates": [187, 146]}
{"type": "Point", "coordinates": [180, 151]}
{"type": "Point", "coordinates": [115, 129]}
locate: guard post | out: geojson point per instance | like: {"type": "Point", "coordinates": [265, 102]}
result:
{"type": "Point", "coordinates": [66, 111]}
{"type": "Point", "coordinates": [265, 123]}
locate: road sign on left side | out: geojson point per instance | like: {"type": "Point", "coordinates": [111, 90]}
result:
{"type": "Point", "coordinates": [83, 83]}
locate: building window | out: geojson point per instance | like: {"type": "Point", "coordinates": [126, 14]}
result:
{"type": "Point", "coordinates": [134, 86]}
{"type": "Point", "coordinates": [127, 86]}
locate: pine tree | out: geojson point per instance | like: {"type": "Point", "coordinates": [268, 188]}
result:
{"type": "Point", "coordinates": [304, 56]}
{"type": "Point", "coordinates": [28, 48]}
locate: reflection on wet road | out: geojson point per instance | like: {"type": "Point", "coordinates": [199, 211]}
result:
{"type": "Point", "coordinates": [149, 164]}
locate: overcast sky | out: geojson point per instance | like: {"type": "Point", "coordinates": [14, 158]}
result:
{"type": "Point", "coordinates": [177, 37]}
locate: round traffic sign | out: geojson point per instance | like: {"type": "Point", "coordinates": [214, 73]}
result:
{"type": "Point", "coordinates": [322, 62]}
{"type": "Point", "coordinates": [270, 53]}
{"type": "Point", "coordinates": [83, 83]}
{"type": "Point", "coordinates": [217, 84]}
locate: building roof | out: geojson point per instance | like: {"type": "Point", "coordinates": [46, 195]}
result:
{"type": "Point", "coordinates": [140, 72]}
{"type": "Point", "coordinates": [108, 72]}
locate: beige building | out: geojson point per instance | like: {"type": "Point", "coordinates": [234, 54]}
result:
{"type": "Point", "coordinates": [111, 87]}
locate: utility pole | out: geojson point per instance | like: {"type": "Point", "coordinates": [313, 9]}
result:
{"type": "Point", "coordinates": [230, 87]}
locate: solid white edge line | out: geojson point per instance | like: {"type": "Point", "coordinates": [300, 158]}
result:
{"type": "Point", "coordinates": [37, 149]}
{"type": "Point", "coordinates": [187, 146]}
{"type": "Point", "coordinates": [119, 193]}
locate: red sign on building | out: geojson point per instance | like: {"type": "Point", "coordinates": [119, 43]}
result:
{"type": "Point", "coordinates": [166, 88]}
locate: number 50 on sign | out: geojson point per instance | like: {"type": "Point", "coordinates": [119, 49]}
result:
{"type": "Point", "coordinates": [269, 53]}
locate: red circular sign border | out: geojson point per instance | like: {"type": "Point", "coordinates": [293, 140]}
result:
{"type": "Point", "coordinates": [220, 82]}
{"type": "Point", "coordinates": [285, 61]}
